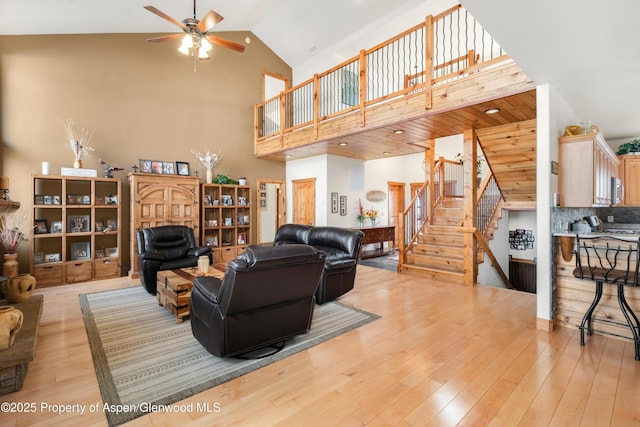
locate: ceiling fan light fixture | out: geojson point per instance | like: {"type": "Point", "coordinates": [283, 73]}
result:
{"type": "Point", "coordinates": [186, 45]}
{"type": "Point", "coordinates": [202, 54]}
{"type": "Point", "coordinates": [205, 45]}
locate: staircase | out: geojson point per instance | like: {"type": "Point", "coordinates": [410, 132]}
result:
{"type": "Point", "coordinates": [438, 250]}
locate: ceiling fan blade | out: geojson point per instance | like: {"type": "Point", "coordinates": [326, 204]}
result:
{"type": "Point", "coordinates": [166, 38]}
{"type": "Point", "coordinates": [166, 17]}
{"type": "Point", "coordinates": [225, 43]}
{"type": "Point", "coordinates": [209, 20]}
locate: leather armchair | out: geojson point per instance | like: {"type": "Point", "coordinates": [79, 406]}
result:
{"type": "Point", "coordinates": [166, 248]}
{"type": "Point", "coordinates": [342, 248]}
{"type": "Point", "coordinates": [265, 297]}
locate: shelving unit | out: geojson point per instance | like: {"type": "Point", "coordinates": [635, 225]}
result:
{"type": "Point", "coordinates": [226, 219]}
{"type": "Point", "coordinates": [77, 235]}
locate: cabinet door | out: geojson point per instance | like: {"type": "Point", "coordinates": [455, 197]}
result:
{"type": "Point", "coordinates": [632, 182]}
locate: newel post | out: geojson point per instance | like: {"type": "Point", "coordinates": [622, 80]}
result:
{"type": "Point", "coordinates": [470, 193]}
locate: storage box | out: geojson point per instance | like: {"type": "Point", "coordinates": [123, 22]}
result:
{"type": "Point", "coordinates": [106, 269]}
{"type": "Point", "coordinates": [47, 275]}
{"type": "Point", "coordinates": [79, 271]}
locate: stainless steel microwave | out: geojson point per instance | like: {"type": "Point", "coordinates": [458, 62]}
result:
{"type": "Point", "coordinates": [617, 191]}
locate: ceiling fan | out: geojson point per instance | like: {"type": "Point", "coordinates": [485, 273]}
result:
{"type": "Point", "coordinates": [196, 41]}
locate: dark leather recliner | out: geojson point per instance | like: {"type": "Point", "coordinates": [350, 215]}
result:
{"type": "Point", "coordinates": [265, 297]}
{"type": "Point", "coordinates": [342, 248]}
{"type": "Point", "coordinates": [166, 248]}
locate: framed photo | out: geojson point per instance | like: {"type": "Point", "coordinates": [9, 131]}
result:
{"type": "Point", "coordinates": [80, 250]}
{"type": "Point", "coordinates": [100, 253]}
{"type": "Point", "coordinates": [41, 226]}
{"type": "Point", "coordinates": [57, 200]}
{"type": "Point", "coordinates": [343, 205]}
{"type": "Point", "coordinates": [156, 166]}
{"type": "Point", "coordinates": [228, 222]}
{"type": "Point", "coordinates": [52, 257]}
{"type": "Point", "coordinates": [86, 200]}
{"type": "Point", "coordinates": [38, 257]}
{"type": "Point", "coordinates": [99, 226]}
{"type": "Point", "coordinates": [207, 200]}
{"type": "Point", "coordinates": [56, 226]}
{"type": "Point", "coordinates": [334, 202]}
{"type": "Point", "coordinates": [39, 200]}
{"type": "Point", "coordinates": [227, 200]}
{"type": "Point", "coordinates": [167, 168]}
{"type": "Point", "coordinates": [263, 186]}
{"type": "Point", "coordinates": [242, 238]}
{"type": "Point", "coordinates": [111, 252]}
{"type": "Point", "coordinates": [182, 168]}
{"type": "Point", "coordinates": [263, 203]}
{"type": "Point", "coordinates": [48, 200]}
{"type": "Point", "coordinates": [111, 200]}
{"type": "Point", "coordinates": [145, 166]}
{"type": "Point", "coordinates": [242, 201]}
{"type": "Point", "coordinates": [77, 223]}
{"type": "Point", "coordinates": [110, 224]}
{"type": "Point", "coordinates": [212, 223]}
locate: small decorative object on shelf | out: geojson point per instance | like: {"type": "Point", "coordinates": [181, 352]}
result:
{"type": "Point", "coordinates": [208, 160]}
{"type": "Point", "coordinates": [4, 188]}
{"type": "Point", "coordinates": [78, 140]}
{"type": "Point", "coordinates": [108, 170]}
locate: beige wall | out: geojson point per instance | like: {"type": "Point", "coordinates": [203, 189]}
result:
{"type": "Point", "coordinates": [144, 100]}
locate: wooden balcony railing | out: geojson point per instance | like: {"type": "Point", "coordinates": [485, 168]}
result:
{"type": "Point", "coordinates": [445, 47]}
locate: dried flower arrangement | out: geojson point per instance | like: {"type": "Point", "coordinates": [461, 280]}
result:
{"type": "Point", "coordinates": [208, 160]}
{"type": "Point", "coordinates": [11, 234]}
{"type": "Point", "coordinates": [78, 140]}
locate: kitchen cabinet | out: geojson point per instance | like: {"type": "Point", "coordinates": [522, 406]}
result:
{"type": "Point", "coordinates": [587, 164]}
{"type": "Point", "coordinates": [630, 175]}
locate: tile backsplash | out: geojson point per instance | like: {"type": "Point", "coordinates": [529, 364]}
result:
{"type": "Point", "coordinates": [561, 217]}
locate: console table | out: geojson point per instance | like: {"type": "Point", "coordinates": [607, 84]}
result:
{"type": "Point", "coordinates": [378, 235]}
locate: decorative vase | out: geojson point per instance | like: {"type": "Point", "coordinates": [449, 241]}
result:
{"type": "Point", "coordinates": [209, 176]}
{"type": "Point", "coordinates": [361, 223]}
{"type": "Point", "coordinates": [373, 222]}
{"type": "Point", "coordinates": [203, 264]}
{"type": "Point", "coordinates": [19, 288]}
{"type": "Point", "coordinates": [10, 324]}
{"type": "Point", "coordinates": [10, 267]}
{"type": "Point", "coordinates": [77, 164]}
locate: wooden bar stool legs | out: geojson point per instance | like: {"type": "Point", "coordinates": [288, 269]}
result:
{"type": "Point", "coordinates": [587, 316]}
{"type": "Point", "coordinates": [629, 314]}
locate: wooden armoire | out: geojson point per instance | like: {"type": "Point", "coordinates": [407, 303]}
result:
{"type": "Point", "coordinates": [162, 200]}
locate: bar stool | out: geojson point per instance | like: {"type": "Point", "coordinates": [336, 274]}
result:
{"type": "Point", "coordinates": [615, 261]}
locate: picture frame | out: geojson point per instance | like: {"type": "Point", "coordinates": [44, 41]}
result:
{"type": "Point", "coordinates": [145, 166]}
{"type": "Point", "coordinates": [80, 250]}
{"type": "Point", "coordinates": [263, 186]}
{"type": "Point", "coordinates": [39, 200]}
{"type": "Point", "coordinates": [52, 257]}
{"type": "Point", "coordinates": [110, 200]}
{"type": "Point", "coordinates": [156, 166]}
{"type": "Point", "coordinates": [207, 200]}
{"type": "Point", "coordinates": [77, 223]}
{"type": "Point", "coordinates": [38, 257]}
{"type": "Point", "coordinates": [99, 226]}
{"type": "Point", "coordinates": [56, 227]}
{"type": "Point", "coordinates": [57, 200]}
{"type": "Point", "coordinates": [86, 200]}
{"type": "Point", "coordinates": [110, 224]}
{"type": "Point", "coordinates": [111, 252]}
{"type": "Point", "coordinates": [168, 168]}
{"type": "Point", "coordinates": [182, 168]}
{"type": "Point", "coordinates": [343, 205]}
{"type": "Point", "coordinates": [263, 203]}
{"type": "Point", "coordinates": [242, 238]}
{"type": "Point", "coordinates": [242, 201]}
{"type": "Point", "coordinates": [48, 200]}
{"type": "Point", "coordinates": [334, 202]}
{"type": "Point", "coordinates": [100, 253]}
{"type": "Point", "coordinates": [228, 222]}
{"type": "Point", "coordinates": [99, 200]}
{"type": "Point", "coordinates": [41, 226]}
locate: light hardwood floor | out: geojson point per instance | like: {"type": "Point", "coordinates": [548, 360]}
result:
{"type": "Point", "coordinates": [441, 355]}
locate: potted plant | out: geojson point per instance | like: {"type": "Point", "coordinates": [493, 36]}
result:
{"type": "Point", "coordinates": [630, 147]}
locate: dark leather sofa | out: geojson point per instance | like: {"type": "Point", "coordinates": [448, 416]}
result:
{"type": "Point", "coordinates": [342, 249]}
{"type": "Point", "coordinates": [166, 248]}
{"type": "Point", "coordinates": [265, 297]}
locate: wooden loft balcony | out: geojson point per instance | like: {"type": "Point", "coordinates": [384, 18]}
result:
{"type": "Point", "coordinates": [353, 109]}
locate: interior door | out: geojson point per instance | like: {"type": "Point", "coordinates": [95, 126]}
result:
{"type": "Point", "coordinates": [395, 197]}
{"type": "Point", "coordinates": [304, 201]}
{"type": "Point", "coordinates": [271, 208]}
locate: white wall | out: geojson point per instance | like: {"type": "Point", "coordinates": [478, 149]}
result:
{"type": "Point", "coordinates": [525, 220]}
{"type": "Point", "coordinates": [487, 274]}
{"type": "Point", "coordinates": [553, 114]}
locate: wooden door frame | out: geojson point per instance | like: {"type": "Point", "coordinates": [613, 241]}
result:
{"type": "Point", "coordinates": [402, 185]}
{"type": "Point", "coordinates": [281, 211]}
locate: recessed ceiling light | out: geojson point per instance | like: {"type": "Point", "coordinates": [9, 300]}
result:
{"type": "Point", "coordinates": [343, 144]}
{"type": "Point", "coordinates": [386, 153]}
{"type": "Point", "coordinates": [247, 40]}
{"type": "Point", "coordinates": [287, 156]}
{"type": "Point", "coordinates": [398, 132]}
{"type": "Point", "coordinates": [492, 111]}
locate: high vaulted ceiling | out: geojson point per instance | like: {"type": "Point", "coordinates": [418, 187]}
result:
{"type": "Point", "coordinates": [587, 50]}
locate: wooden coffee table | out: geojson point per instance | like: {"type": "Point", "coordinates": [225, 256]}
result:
{"type": "Point", "coordinates": [174, 288]}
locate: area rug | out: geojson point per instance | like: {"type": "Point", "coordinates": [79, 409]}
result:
{"type": "Point", "coordinates": [387, 262]}
{"type": "Point", "coordinates": [143, 358]}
